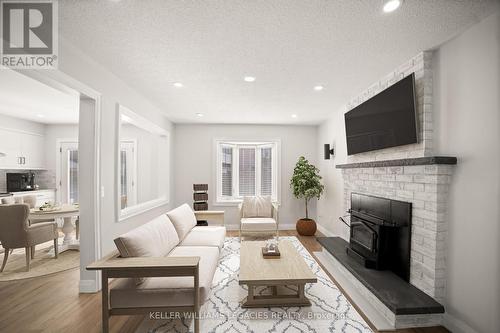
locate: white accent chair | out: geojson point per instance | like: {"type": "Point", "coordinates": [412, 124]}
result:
{"type": "Point", "coordinates": [259, 215]}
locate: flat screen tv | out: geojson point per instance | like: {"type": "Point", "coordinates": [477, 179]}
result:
{"type": "Point", "coordinates": [388, 119]}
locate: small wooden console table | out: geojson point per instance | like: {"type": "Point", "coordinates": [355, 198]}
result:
{"type": "Point", "coordinates": [210, 215]}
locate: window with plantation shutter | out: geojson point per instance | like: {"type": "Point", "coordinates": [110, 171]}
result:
{"type": "Point", "coordinates": [266, 171]}
{"type": "Point", "coordinates": [227, 171]}
{"type": "Point", "coordinates": [246, 169]}
{"type": "Point", "coordinates": [246, 172]}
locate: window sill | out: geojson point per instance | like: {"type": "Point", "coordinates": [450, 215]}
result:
{"type": "Point", "coordinates": [227, 203]}
{"type": "Point", "coordinates": [231, 203]}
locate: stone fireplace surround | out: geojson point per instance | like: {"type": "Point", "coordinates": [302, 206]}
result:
{"type": "Point", "coordinates": [426, 187]}
{"type": "Point", "coordinates": [413, 174]}
{"type": "Point", "coordinates": [410, 173]}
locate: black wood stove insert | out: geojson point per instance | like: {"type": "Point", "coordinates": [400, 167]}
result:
{"type": "Point", "coordinates": [380, 233]}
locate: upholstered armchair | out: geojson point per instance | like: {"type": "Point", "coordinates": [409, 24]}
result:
{"type": "Point", "coordinates": [258, 215]}
{"type": "Point", "coordinates": [15, 232]}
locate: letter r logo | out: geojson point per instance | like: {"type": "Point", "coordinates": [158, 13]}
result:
{"type": "Point", "coordinates": [27, 27]}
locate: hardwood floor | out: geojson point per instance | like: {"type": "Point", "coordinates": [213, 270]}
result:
{"type": "Point", "coordinates": [52, 304]}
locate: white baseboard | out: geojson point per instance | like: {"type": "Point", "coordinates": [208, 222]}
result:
{"type": "Point", "coordinates": [324, 231]}
{"type": "Point", "coordinates": [88, 286]}
{"type": "Point", "coordinates": [456, 325]}
{"type": "Point", "coordinates": [281, 227]}
{"type": "Point", "coordinates": [287, 226]}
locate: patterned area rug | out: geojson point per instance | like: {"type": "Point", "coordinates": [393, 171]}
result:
{"type": "Point", "coordinates": [43, 264]}
{"type": "Point", "coordinates": [330, 310]}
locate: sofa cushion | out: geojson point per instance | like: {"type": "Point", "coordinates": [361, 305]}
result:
{"type": "Point", "coordinates": [205, 236]}
{"type": "Point", "coordinates": [258, 224]}
{"type": "Point", "coordinates": [168, 291]}
{"type": "Point", "coordinates": [257, 206]}
{"type": "Point", "coordinates": [183, 219]}
{"type": "Point", "coordinates": [153, 239]}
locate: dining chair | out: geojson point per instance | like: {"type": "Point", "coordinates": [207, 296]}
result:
{"type": "Point", "coordinates": [16, 232]}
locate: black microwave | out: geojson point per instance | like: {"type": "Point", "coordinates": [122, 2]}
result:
{"type": "Point", "coordinates": [17, 182]}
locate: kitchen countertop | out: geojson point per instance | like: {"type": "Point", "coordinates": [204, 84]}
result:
{"type": "Point", "coordinates": [34, 191]}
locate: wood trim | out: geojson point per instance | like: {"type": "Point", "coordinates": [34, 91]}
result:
{"type": "Point", "coordinates": [105, 302]}
{"type": "Point", "coordinates": [212, 215]}
{"type": "Point", "coordinates": [147, 310]}
{"type": "Point", "coordinates": [144, 263]}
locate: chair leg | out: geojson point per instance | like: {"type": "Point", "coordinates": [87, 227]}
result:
{"type": "Point", "coordinates": [11, 250]}
{"type": "Point", "coordinates": [5, 256]}
{"type": "Point", "coordinates": [28, 256]}
{"type": "Point", "coordinates": [32, 252]}
{"type": "Point", "coordinates": [56, 248]}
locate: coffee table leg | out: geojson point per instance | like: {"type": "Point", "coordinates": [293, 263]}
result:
{"type": "Point", "coordinates": [301, 293]}
{"type": "Point", "coordinates": [275, 299]}
{"type": "Point", "coordinates": [250, 296]}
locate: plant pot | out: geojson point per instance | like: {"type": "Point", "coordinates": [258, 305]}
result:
{"type": "Point", "coordinates": [306, 227]}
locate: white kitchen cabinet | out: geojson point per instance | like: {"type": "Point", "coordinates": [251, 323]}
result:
{"type": "Point", "coordinates": [10, 149]}
{"type": "Point", "coordinates": [21, 150]}
{"type": "Point", "coordinates": [32, 150]}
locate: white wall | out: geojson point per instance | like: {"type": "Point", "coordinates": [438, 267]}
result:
{"type": "Point", "coordinates": [331, 205]}
{"type": "Point", "coordinates": [21, 124]}
{"type": "Point", "coordinates": [74, 63]}
{"type": "Point", "coordinates": [467, 125]}
{"type": "Point", "coordinates": [194, 161]}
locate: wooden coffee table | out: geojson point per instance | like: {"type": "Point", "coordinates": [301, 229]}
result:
{"type": "Point", "coordinates": [289, 270]}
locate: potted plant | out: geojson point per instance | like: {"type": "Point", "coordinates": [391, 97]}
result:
{"type": "Point", "coordinates": [306, 184]}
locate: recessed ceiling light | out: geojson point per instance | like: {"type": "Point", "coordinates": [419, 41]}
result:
{"type": "Point", "coordinates": [40, 116]}
{"type": "Point", "coordinates": [199, 115]}
{"type": "Point", "coordinates": [294, 116]}
{"type": "Point", "coordinates": [391, 5]}
{"type": "Point", "coordinates": [249, 79]}
{"type": "Point", "coordinates": [319, 88]}
{"type": "Point", "coordinates": [178, 85]}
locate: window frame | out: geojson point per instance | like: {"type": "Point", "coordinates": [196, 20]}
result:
{"type": "Point", "coordinates": [234, 200]}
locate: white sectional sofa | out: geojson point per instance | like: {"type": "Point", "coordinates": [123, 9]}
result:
{"type": "Point", "coordinates": [160, 264]}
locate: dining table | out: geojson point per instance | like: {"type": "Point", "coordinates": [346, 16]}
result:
{"type": "Point", "coordinates": [67, 212]}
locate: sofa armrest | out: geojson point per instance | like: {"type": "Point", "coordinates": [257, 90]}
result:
{"type": "Point", "coordinates": [118, 267]}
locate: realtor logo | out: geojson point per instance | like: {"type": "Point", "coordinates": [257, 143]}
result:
{"type": "Point", "coordinates": [29, 34]}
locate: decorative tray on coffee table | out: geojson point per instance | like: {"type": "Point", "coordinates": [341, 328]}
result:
{"type": "Point", "coordinates": [271, 252]}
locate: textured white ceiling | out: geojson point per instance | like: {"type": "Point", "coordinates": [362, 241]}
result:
{"type": "Point", "coordinates": [288, 45]}
{"type": "Point", "coordinates": [25, 98]}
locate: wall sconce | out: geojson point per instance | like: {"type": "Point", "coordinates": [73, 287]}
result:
{"type": "Point", "coordinates": [328, 151]}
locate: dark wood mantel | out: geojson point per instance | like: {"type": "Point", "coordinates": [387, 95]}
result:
{"type": "Point", "coordinates": [401, 162]}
